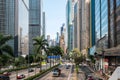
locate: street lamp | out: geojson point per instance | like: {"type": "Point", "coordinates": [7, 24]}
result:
{"type": "Point", "coordinates": [103, 60]}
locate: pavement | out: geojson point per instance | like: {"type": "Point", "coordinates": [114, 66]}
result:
{"type": "Point", "coordinates": [98, 74]}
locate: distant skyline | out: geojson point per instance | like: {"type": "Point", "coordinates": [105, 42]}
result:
{"type": "Point", "coordinates": [54, 12]}
{"type": "Point", "coordinates": [55, 16]}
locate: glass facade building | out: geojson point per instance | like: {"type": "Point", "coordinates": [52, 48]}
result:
{"type": "Point", "coordinates": [75, 27]}
{"type": "Point", "coordinates": [112, 23]}
{"type": "Point", "coordinates": [101, 22]}
{"type": "Point", "coordinates": [118, 22]}
{"type": "Point", "coordinates": [92, 28]}
{"type": "Point", "coordinates": [34, 21]}
{"type": "Point", "coordinates": [9, 21]}
{"type": "Point", "coordinates": [114, 12]}
{"type": "Point", "coordinates": [69, 25]}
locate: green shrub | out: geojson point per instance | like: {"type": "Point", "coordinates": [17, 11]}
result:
{"type": "Point", "coordinates": [39, 74]}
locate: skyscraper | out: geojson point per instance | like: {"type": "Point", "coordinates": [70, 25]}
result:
{"type": "Point", "coordinates": [101, 23]}
{"type": "Point", "coordinates": [114, 29]}
{"type": "Point", "coordinates": [57, 39]}
{"type": "Point", "coordinates": [69, 25]}
{"type": "Point", "coordinates": [34, 21]}
{"type": "Point", "coordinates": [9, 21]}
{"type": "Point", "coordinates": [44, 25]}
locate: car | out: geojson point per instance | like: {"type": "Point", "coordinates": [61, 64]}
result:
{"type": "Point", "coordinates": [56, 72]}
{"type": "Point", "coordinates": [89, 77]}
{"type": "Point", "coordinates": [6, 73]}
{"type": "Point", "coordinates": [20, 76]}
{"type": "Point", "coordinates": [67, 67]}
{"type": "Point", "coordinates": [30, 70]}
{"type": "Point", "coordinates": [3, 77]}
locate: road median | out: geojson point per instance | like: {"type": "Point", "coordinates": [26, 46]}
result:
{"type": "Point", "coordinates": [41, 74]}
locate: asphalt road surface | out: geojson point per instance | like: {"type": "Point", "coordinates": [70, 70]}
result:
{"type": "Point", "coordinates": [64, 74]}
{"type": "Point", "coordinates": [26, 73]}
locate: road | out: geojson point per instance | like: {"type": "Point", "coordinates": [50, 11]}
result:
{"type": "Point", "coordinates": [26, 73]}
{"type": "Point", "coordinates": [64, 74]}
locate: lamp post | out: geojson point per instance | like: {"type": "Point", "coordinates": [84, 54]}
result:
{"type": "Point", "coordinates": [103, 61]}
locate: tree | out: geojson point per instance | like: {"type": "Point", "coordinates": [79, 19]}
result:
{"type": "Point", "coordinates": [4, 47]}
{"type": "Point", "coordinates": [40, 44]}
{"type": "Point", "coordinates": [77, 56]}
{"type": "Point", "coordinates": [5, 60]}
{"type": "Point", "coordinates": [30, 58]}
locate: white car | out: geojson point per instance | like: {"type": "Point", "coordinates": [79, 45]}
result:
{"type": "Point", "coordinates": [56, 72]}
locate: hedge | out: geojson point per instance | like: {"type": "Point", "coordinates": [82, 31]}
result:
{"type": "Point", "coordinates": [41, 73]}
{"type": "Point", "coordinates": [21, 68]}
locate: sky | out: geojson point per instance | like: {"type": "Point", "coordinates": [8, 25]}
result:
{"type": "Point", "coordinates": [23, 17]}
{"type": "Point", "coordinates": [55, 15]}
{"type": "Point", "coordinates": [54, 12]}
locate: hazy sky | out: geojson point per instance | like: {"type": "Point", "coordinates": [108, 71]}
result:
{"type": "Point", "coordinates": [55, 16]}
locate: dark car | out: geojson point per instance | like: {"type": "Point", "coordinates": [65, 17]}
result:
{"type": "Point", "coordinates": [30, 70]}
{"type": "Point", "coordinates": [56, 72]}
{"type": "Point", "coordinates": [21, 76]}
{"type": "Point", "coordinates": [67, 66]}
{"type": "Point", "coordinates": [6, 73]}
{"type": "Point", "coordinates": [90, 77]}
{"type": "Point", "coordinates": [3, 77]}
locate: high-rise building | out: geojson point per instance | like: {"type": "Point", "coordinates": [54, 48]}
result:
{"type": "Point", "coordinates": [92, 24]}
{"type": "Point", "coordinates": [107, 28]}
{"type": "Point", "coordinates": [62, 29]}
{"type": "Point", "coordinates": [82, 25]}
{"type": "Point", "coordinates": [9, 21]}
{"type": "Point", "coordinates": [114, 23]}
{"type": "Point", "coordinates": [101, 23]}
{"type": "Point", "coordinates": [57, 39]}
{"type": "Point", "coordinates": [92, 28]}
{"type": "Point", "coordinates": [76, 35]}
{"type": "Point", "coordinates": [44, 25]}
{"type": "Point", "coordinates": [69, 25]}
{"type": "Point", "coordinates": [24, 45]}
{"type": "Point", "coordinates": [34, 21]}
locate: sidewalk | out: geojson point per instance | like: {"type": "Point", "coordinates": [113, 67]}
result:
{"type": "Point", "coordinates": [97, 73]}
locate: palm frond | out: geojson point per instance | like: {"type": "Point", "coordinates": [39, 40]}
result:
{"type": "Point", "coordinates": [8, 49]}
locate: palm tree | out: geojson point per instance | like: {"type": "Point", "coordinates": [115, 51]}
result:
{"type": "Point", "coordinates": [40, 44]}
{"type": "Point", "coordinates": [4, 47]}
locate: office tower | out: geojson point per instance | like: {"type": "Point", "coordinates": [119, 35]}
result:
{"type": "Point", "coordinates": [9, 21]}
{"type": "Point", "coordinates": [57, 39]}
{"type": "Point", "coordinates": [76, 26]}
{"type": "Point", "coordinates": [114, 29]}
{"type": "Point", "coordinates": [62, 29]}
{"type": "Point", "coordinates": [24, 45]}
{"type": "Point", "coordinates": [82, 25]}
{"type": "Point", "coordinates": [92, 49]}
{"type": "Point", "coordinates": [48, 39]}
{"type": "Point", "coordinates": [69, 24]}
{"type": "Point", "coordinates": [34, 21]}
{"type": "Point", "coordinates": [44, 25]}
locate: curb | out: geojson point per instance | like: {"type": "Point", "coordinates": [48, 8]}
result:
{"type": "Point", "coordinates": [100, 76]}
